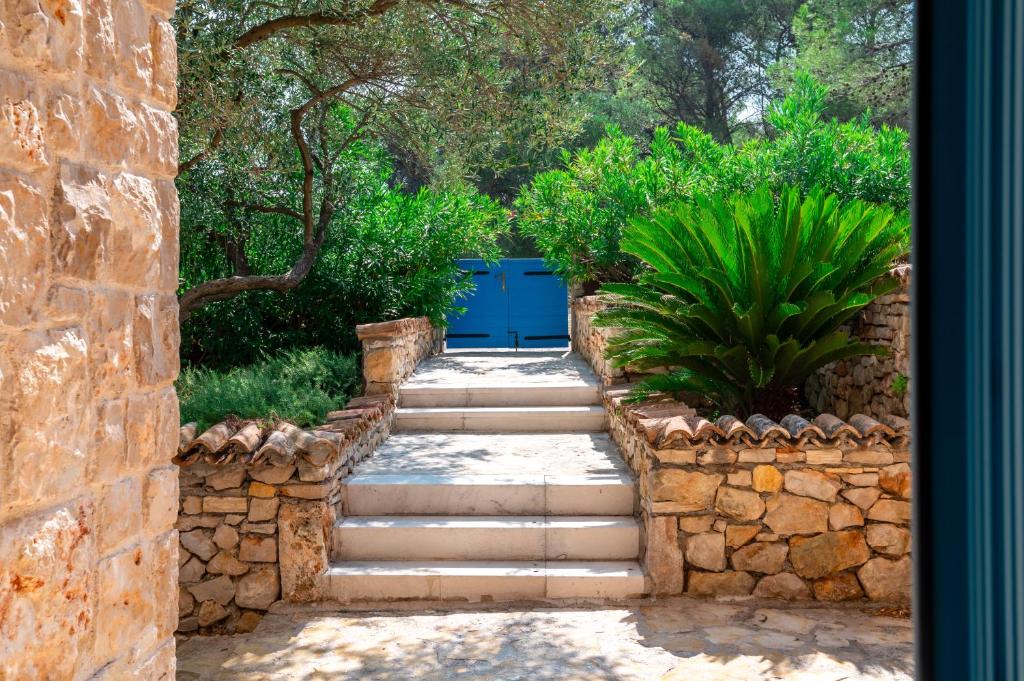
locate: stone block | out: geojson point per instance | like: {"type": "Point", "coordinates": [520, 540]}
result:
{"type": "Point", "coordinates": [82, 223]}
{"type": "Point", "coordinates": [262, 490]}
{"type": "Point", "coordinates": [263, 509]}
{"type": "Point", "coordinates": [24, 246]}
{"type": "Point", "coordinates": [226, 564]}
{"type": "Point", "coordinates": [22, 121]}
{"type": "Point", "coordinates": [738, 535]}
{"type": "Point", "coordinates": [225, 505]}
{"type": "Point", "coordinates": [896, 479]}
{"type": "Point", "coordinates": [739, 479]}
{"type": "Point", "coordinates": [192, 505]}
{"type": "Point", "coordinates": [767, 478]}
{"type": "Point", "coordinates": [198, 543]}
{"type": "Point", "coordinates": [886, 580]}
{"type": "Point", "coordinates": [156, 338]}
{"type": "Point", "coordinates": [119, 518]}
{"type": "Point", "coordinates": [192, 571]}
{"type": "Point", "coordinates": [739, 504]}
{"type": "Point", "coordinates": [807, 483]}
{"type": "Point", "coordinates": [869, 457]}
{"type": "Point", "coordinates": [186, 602]}
{"type": "Point", "coordinates": [211, 612]}
{"type": "Point", "coordinates": [797, 515]}
{"type": "Point", "coordinates": [696, 524]}
{"type": "Point", "coordinates": [304, 531]}
{"type": "Point", "coordinates": [47, 573]}
{"type": "Point", "coordinates": [272, 475]}
{"type": "Point", "coordinates": [123, 605]}
{"type": "Point", "coordinates": [219, 589]}
{"type": "Point", "coordinates": [827, 553]}
{"type": "Point", "coordinates": [818, 457]}
{"type": "Point", "coordinates": [160, 508]}
{"type": "Point", "coordinates": [891, 540]}
{"type": "Point", "coordinates": [863, 497]}
{"type": "Point", "coordinates": [226, 537]}
{"type": "Point", "coordinates": [258, 549]}
{"type": "Point", "coordinates": [719, 583]}
{"type": "Point", "coordinates": [258, 589]}
{"type": "Point", "coordinates": [841, 516]}
{"type": "Point", "coordinates": [228, 477]}
{"type": "Point", "coordinates": [756, 455]}
{"type": "Point", "coordinates": [764, 557]}
{"type": "Point", "coordinates": [784, 585]}
{"type": "Point", "coordinates": [706, 551]}
{"type": "Point", "coordinates": [310, 491]}
{"type": "Point", "coordinates": [839, 587]}
{"type": "Point", "coordinates": [713, 457]}
{"type": "Point", "coordinates": [890, 511]}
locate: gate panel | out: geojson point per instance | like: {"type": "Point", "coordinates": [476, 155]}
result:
{"type": "Point", "coordinates": [485, 324]}
{"type": "Point", "coordinates": [538, 304]}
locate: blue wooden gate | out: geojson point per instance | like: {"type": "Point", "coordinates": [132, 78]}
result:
{"type": "Point", "coordinates": [518, 303]}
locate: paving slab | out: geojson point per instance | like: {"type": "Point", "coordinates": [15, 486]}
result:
{"type": "Point", "coordinates": [497, 368]}
{"type": "Point", "coordinates": [675, 640]}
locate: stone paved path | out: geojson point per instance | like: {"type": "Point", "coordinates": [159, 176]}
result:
{"type": "Point", "coordinates": [679, 640]}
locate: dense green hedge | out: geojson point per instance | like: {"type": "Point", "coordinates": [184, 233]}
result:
{"type": "Point", "coordinates": [577, 214]}
{"type": "Point", "coordinates": [299, 386]}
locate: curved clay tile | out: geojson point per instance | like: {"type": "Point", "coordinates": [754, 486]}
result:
{"type": "Point", "coordinates": [800, 428]}
{"type": "Point", "coordinates": [317, 447]}
{"type": "Point", "coordinates": [246, 440]}
{"type": "Point", "coordinates": [764, 428]}
{"type": "Point", "coordinates": [734, 429]}
{"type": "Point", "coordinates": [899, 425]}
{"type": "Point", "coordinates": [211, 440]}
{"type": "Point", "coordinates": [834, 427]}
{"type": "Point", "coordinates": [868, 427]}
{"type": "Point", "coordinates": [279, 448]}
{"type": "Point", "coordinates": [186, 434]}
{"type": "Point", "coordinates": [652, 427]}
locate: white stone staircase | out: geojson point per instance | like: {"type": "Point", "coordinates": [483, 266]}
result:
{"type": "Point", "coordinates": [498, 484]}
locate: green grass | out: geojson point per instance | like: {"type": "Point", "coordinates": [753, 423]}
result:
{"type": "Point", "coordinates": [299, 386]}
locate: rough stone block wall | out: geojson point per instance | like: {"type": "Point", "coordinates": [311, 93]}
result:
{"type": "Point", "coordinates": [255, 524]}
{"type": "Point", "coordinates": [391, 351]}
{"type": "Point", "coordinates": [88, 339]}
{"type": "Point", "coordinates": [875, 386]}
{"type": "Point", "coordinates": [739, 509]}
{"type": "Point", "coordinates": [590, 341]}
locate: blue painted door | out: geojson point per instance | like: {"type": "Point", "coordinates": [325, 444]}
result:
{"type": "Point", "coordinates": [518, 302]}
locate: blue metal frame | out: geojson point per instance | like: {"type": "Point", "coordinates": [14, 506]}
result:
{"type": "Point", "coordinates": [518, 303]}
{"type": "Point", "coordinates": [969, 340]}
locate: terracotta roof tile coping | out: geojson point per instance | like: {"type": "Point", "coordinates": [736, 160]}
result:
{"type": "Point", "coordinates": [248, 443]}
{"type": "Point", "coordinates": [668, 424]}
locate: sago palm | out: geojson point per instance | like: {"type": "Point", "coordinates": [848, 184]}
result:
{"type": "Point", "coordinates": [746, 295]}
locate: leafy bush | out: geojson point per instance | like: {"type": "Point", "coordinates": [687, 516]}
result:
{"type": "Point", "coordinates": [744, 297]}
{"type": "Point", "coordinates": [298, 386]}
{"type": "Point", "coordinates": [577, 214]}
{"type": "Point", "coordinates": [389, 253]}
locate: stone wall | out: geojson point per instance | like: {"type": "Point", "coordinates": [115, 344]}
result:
{"type": "Point", "coordinates": [871, 385]}
{"type": "Point", "coordinates": [792, 510]}
{"type": "Point", "coordinates": [88, 339]}
{"type": "Point", "coordinates": [391, 351]}
{"type": "Point", "coordinates": [257, 509]}
{"type": "Point", "coordinates": [590, 341]}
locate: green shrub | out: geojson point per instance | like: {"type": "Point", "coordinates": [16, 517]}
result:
{"type": "Point", "coordinates": [298, 386]}
{"type": "Point", "coordinates": [389, 253]}
{"type": "Point", "coordinates": [900, 384]}
{"type": "Point", "coordinates": [744, 297]}
{"type": "Point", "coordinates": [577, 214]}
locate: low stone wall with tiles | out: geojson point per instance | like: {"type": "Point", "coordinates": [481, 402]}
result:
{"type": "Point", "coordinates": [391, 351]}
{"type": "Point", "coordinates": [590, 341]}
{"type": "Point", "coordinates": [871, 385]}
{"type": "Point", "coordinates": [791, 510]}
{"type": "Point", "coordinates": [257, 508]}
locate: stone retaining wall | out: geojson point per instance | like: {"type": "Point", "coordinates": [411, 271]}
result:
{"type": "Point", "coordinates": [796, 511]}
{"type": "Point", "coordinates": [256, 528]}
{"type": "Point", "coordinates": [88, 339]}
{"type": "Point", "coordinates": [391, 351]}
{"type": "Point", "coordinates": [871, 385]}
{"type": "Point", "coordinates": [590, 341]}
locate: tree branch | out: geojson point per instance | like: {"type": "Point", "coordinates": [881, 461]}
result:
{"type": "Point", "coordinates": [267, 29]}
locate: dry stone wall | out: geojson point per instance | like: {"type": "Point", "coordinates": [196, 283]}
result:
{"type": "Point", "coordinates": [256, 512]}
{"type": "Point", "coordinates": [871, 385]}
{"type": "Point", "coordinates": [258, 504]}
{"type": "Point", "coordinates": [792, 510]}
{"type": "Point", "coordinates": [391, 351]}
{"type": "Point", "coordinates": [88, 339]}
{"type": "Point", "coordinates": [590, 341]}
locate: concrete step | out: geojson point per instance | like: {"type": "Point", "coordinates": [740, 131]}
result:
{"type": "Point", "coordinates": [564, 394]}
{"type": "Point", "coordinates": [501, 419]}
{"type": "Point", "coordinates": [486, 538]}
{"type": "Point", "coordinates": [592, 494]}
{"type": "Point", "coordinates": [477, 581]}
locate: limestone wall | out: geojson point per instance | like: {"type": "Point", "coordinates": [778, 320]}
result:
{"type": "Point", "coordinates": [793, 510]}
{"type": "Point", "coordinates": [257, 512]}
{"type": "Point", "coordinates": [391, 351]}
{"type": "Point", "coordinates": [590, 341]}
{"type": "Point", "coordinates": [88, 339]}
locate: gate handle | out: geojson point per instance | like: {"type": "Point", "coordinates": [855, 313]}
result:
{"type": "Point", "coordinates": [503, 282]}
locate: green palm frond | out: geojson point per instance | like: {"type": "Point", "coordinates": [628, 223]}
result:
{"type": "Point", "coordinates": [750, 292]}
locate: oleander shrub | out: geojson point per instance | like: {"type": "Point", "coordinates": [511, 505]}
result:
{"type": "Point", "coordinates": [577, 214]}
{"type": "Point", "coordinates": [742, 297]}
